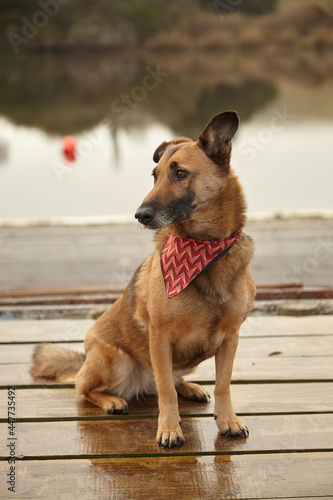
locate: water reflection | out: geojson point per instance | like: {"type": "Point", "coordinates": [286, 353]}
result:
{"type": "Point", "coordinates": [177, 477]}
{"type": "Point", "coordinates": [85, 94]}
{"type": "Point", "coordinates": [4, 151]}
{"type": "Point", "coordinates": [191, 477]}
{"type": "Point", "coordinates": [67, 94]}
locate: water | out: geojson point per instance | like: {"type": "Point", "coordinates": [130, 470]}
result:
{"type": "Point", "coordinates": [121, 108]}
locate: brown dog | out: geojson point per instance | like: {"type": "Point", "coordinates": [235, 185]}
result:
{"type": "Point", "coordinates": [147, 341]}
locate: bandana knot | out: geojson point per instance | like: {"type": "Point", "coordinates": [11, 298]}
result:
{"type": "Point", "coordinates": [184, 259]}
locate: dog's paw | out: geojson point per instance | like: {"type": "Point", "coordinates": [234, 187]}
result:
{"type": "Point", "coordinates": [200, 394]}
{"type": "Point", "coordinates": [170, 437]}
{"type": "Point", "coordinates": [233, 427]}
{"type": "Point", "coordinates": [193, 391]}
{"type": "Point", "coordinates": [116, 405]}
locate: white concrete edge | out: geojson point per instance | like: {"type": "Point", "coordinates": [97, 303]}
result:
{"type": "Point", "coordinates": [129, 219]}
{"type": "Point", "coordinates": [68, 221]}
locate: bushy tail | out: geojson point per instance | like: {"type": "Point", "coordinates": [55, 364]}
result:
{"type": "Point", "coordinates": [55, 363]}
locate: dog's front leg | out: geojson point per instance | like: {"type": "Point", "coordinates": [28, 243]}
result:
{"type": "Point", "coordinates": [227, 421]}
{"type": "Point", "coordinates": [169, 432]}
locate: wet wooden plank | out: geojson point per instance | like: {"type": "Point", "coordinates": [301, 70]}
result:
{"type": "Point", "coordinates": [57, 330]}
{"type": "Point", "coordinates": [275, 368]}
{"type": "Point", "coordinates": [60, 330]}
{"type": "Point", "coordinates": [97, 438]}
{"type": "Point", "coordinates": [249, 399]}
{"type": "Point", "coordinates": [320, 345]}
{"type": "Point", "coordinates": [239, 477]}
{"type": "Point", "coordinates": [270, 369]}
{"type": "Point", "coordinates": [263, 326]}
{"type": "Point", "coordinates": [291, 346]}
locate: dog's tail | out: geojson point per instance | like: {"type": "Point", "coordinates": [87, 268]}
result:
{"type": "Point", "coordinates": [56, 364]}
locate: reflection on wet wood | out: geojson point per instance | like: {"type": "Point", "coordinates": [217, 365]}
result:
{"type": "Point", "coordinates": [196, 478]}
{"type": "Point", "coordinates": [282, 387]}
{"type": "Point", "coordinates": [137, 436]}
{"type": "Point", "coordinates": [248, 399]}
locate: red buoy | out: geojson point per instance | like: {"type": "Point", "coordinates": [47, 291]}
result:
{"type": "Point", "coordinates": [69, 147]}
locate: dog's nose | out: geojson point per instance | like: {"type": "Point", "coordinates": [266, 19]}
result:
{"type": "Point", "coordinates": [145, 215]}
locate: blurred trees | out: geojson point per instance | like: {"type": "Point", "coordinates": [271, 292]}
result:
{"type": "Point", "coordinates": [252, 7]}
{"type": "Point", "coordinates": [146, 18]}
{"type": "Point", "coordinates": [133, 20]}
{"type": "Point", "coordinates": [258, 7]}
{"type": "Point", "coordinates": [65, 94]}
{"type": "Point", "coordinates": [105, 22]}
{"type": "Point", "coordinates": [151, 16]}
{"type": "Point", "coordinates": [59, 25]}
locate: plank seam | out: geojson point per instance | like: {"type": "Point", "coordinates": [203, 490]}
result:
{"type": "Point", "coordinates": [155, 416]}
{"type": "Point", "coordinates": [23, 342]}
{"type": "Point", "coordinates": [197, 381]}
{"type": "Point", "coordinates": [23, 458]}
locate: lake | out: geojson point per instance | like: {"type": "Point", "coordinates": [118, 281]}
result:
{"type": "Point", "coordinates": [120, 107]}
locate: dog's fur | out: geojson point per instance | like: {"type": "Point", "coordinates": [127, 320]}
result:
{"type": "Point", "coordinates": [146, 342]}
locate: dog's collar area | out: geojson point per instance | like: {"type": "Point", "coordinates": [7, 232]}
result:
{"type": "Point", "coordinates": [184, 259]}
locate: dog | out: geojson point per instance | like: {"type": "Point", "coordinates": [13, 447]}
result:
{"type": "Point", "coordinates": [187, 300]}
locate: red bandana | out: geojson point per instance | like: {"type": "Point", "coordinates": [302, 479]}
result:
{"type": "Point", "coordinates": [184, 259]}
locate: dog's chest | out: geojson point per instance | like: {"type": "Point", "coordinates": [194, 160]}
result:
{"type": "Point", "coordinates": [194, 346]}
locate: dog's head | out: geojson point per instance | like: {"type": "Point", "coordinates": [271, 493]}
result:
{"type": "Point", "coordinates": [189, 175]}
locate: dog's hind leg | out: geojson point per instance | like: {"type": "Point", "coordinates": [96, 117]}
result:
{"type": "Point", "coordinates": [96, 381]}
{"type": "Point", "coordinates": [189, 390]}
{"type": "Point", "coordinates": [108, 379]}
{"type": "Point", "coordinates": [111, 404]}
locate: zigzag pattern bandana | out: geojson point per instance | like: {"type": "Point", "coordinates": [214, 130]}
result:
{"type": "Point", "coordinates": [184, 259]}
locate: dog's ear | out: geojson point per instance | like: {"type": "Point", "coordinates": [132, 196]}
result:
{"type": "Point", "coordinates": [215, 139]}
{"type": "Point", "coordinates": [162, 147]}
{"type": "Point", "coordinates": [160, 151]}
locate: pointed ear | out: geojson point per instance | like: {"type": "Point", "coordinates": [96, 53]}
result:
{"type": "Point", "coordinates": [159, 151]}
{"type": "Point", "coordinates": [215, 139]}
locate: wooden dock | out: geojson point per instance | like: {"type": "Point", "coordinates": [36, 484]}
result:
{"type": "Point", "coordinates": [65, 448]}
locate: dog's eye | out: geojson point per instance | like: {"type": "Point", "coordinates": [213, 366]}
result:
{"type": "Point", "coordinates": [181, 174]}
{"type": "Point", "coordinates": [154, 175]}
